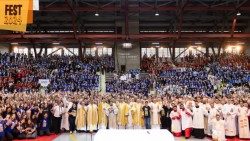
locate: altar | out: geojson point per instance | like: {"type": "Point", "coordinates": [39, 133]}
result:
{"type": "Point", "coordinates": [133, 135]}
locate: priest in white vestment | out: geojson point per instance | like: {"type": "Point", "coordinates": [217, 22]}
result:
{"type": "Point", "coordinates": [230, 118]}
{"type": "Point", "coordinates": [111, 113]}
{"type": "Point", "coordinates": [218, 129]}
{"type": "Point", "coordinates": [130, 116]}
{"type": "Point", "coordinates": [198, 121]}
{"type": "Point", "coordinates": [155, 118]}
{"type": "Point", "coordinates": [211, 117]}
{"type": "Point", "coordinates": [243, 114]}
{"type": "Point", "coordinates": [65, 118]}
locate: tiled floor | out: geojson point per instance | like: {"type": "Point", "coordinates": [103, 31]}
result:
{"type": "Point", "coordinates": [89, 137]}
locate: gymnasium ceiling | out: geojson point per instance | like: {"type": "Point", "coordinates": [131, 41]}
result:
{"type": "Point", "coordinates": [74, 21]}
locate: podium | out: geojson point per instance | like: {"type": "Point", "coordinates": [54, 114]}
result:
{"type": "Point", "coordinates": [134, 135]}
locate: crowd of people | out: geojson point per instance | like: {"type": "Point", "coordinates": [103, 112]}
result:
{"type": "Point", "coordinates": [21, 73]}
{"type": "Point", "coordinates": [190, 74]}
{"type": "Point", "coordinates": [198, 88]}
{"type": "Point", "coordinates": [132, 85]}
{"type": "Point", "coordinates": [27, 116]}
{"type": "Point", "coordinates": [197, 61]}
{"type": "Point", "coordinates": [230, 75]}
{"type": "Point", "coordinates": [190, 80]}
{"type": "Point", "coordinates": [155, 65]}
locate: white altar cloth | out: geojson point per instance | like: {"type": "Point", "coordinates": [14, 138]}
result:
{"type": "Point", "coordinates": [133, 135]}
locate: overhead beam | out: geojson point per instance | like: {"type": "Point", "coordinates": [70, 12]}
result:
{"type": "Point", "coordinates": [73, 16]}
{"type": "Point", "coordinates": [233, 25]}
{"type": "Point", "coordinates": [132, 36]}
{"type": "Point", "coordinates": [126, 19]}
{"type": "Point", "coordinates": [141, 8]}
{"type": "Point", "coordinates": [180, 16]}
{"type": "Point", "coordinates": [108, 40]}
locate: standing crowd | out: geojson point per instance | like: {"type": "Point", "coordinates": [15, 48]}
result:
{"type": "Point", "coordinates": [189, 102]}
{"type": "Point", "coordinates": [28, 115]}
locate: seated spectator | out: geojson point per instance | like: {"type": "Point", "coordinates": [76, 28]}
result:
{"type": "Point", "coordinates": [20, 129]}
{"type": "Point", "coordinates": [9, 128]}
{"type": "Point", "coordinates": [2, 127]}
{"type": "Point", "coordinates": [30, 130]}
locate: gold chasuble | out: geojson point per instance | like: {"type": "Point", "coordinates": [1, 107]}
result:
{"type": "Point", "coordinates": [80, 118]}
{"type": "Point", "coordinates": [92, 117]}
{"type": "Point", "coordinates": [102, 123]}
{"type": "Point", "coordinates": [138, 115]}
{"type": "Point", "coordinates": [123, 114]}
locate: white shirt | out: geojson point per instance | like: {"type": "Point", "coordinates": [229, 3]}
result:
{"type": "Point", "coordinates": [198, 117]}
{"type": "Point", "coordinates": [57, 111]}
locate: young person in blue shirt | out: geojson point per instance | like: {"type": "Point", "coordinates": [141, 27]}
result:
{"type": "Point", "coordinates": [43, 125]}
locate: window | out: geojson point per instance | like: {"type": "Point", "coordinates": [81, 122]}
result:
{"type": "Point", "coordinates": [233, 49]}
{"type": "Point", "coordinates": [37, 51]}
{"type": "Point", "coordinates": [55, 51]}
{"type": "Point", "coordinates": [181, 52]}
{"type": "Point", "coordinates": [201, 50]}
{"type": "Point", "coordinates": [74, 50]}
{"type": "Point", "coordinates": [164, 52]}
{"type": "Point", "coordinates": [70, 51]}
{"type": "Point", "coordinates": [149, 52]}
{"type": "Point", "coordinates": [21, 50]}
{"type": "Point", "coordinates": [210, 50]}
{"type": "Point", "coordinates": [104, 51]}
{"type": "Point", "coordinates": [90, 51]}
{"type": "Point", "coordinates": [198, 50]}
{"type": "Point", "coordinates": [216, 50]}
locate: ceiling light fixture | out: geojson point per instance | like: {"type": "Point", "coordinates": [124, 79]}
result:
{"type": "Point", "coordinates": [96, 14]}
{"type": "Point", "coordinates": [127, 45]}
{"type": "Point", "coordinates": [198, 43]}
{"type": "Point", "coordinates": [238, 14]}
{"type": "Point", "coordinates": [157, 13]}
{"type": "Point", "coordinates": [240, 43]}
{"type": "Point", "coordinates": [99, 43]}
{"type": "Point", "coordinates": [155, 43]}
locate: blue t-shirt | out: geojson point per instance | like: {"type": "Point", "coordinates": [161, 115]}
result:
{"type": "Point", "coordinates": [2, 126]}
{"type": "Point", "coordinates": [44, 124]}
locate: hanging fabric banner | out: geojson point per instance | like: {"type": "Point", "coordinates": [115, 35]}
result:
{"type": "Point", "coordinates": [14, 14]}
{"type": "Point", "coordinates": [30, 13]}
{"type": "Point", "coordinates": [35, 5]}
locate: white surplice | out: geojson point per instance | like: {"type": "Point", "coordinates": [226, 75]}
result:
{"type": "Point", "coordinates": [230, 118]}
{"type": "Point", "coordinates": [112, 112]}
{"type": "Point", "coordinates": [186, 119]}
{"type": "Point", "coordinates": [198, 117]}
{"type": "Point", "coordinates": [155, 117]}
{"type": "Point", "coordinates": [176, 123]}
{"type": "Point", "coordinates": [211, 116]}
{"type": "Point", "coordinates": [243, 123]}
{"type": "Point", "coordinates": [218, 130]}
